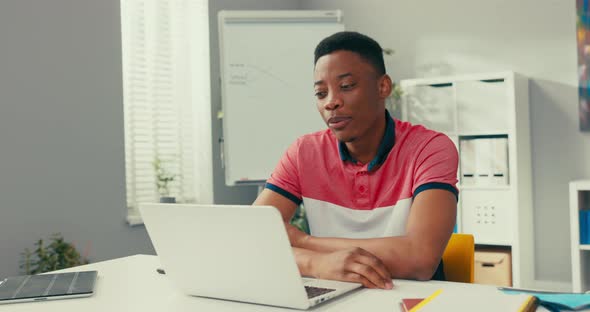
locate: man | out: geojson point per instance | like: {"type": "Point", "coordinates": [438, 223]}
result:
{"type": "Point", "coordinates": [379, 193]}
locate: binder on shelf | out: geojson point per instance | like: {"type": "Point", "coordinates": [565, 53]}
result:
{"type": "Point", "coordinates": [483, 161]}
{"type": "Point", "coordinates": [584, 218]}
{"type": "Point", "coordinates": [499, 161]}
{"type": "Point", "coordinates": [467, 161]}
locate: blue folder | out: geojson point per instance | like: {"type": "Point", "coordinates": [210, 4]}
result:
{"type": "Point", "coordinates": [584, 218]}
{"type": "Point", "coordinates": [556, 301]}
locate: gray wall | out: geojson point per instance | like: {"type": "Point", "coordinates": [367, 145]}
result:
{"type": "Point", "coordinates": [61, 129]}
{"type": "Point", "coordinates": [533, 37]}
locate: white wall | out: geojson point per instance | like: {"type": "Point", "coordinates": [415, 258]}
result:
{"type": "Point", "coordinates": [533, 37]}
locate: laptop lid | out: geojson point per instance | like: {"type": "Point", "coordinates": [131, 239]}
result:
{"type": "Point", "coordinates": [239, 253]}
{"type": "Point", "coordinates": [47, 286]}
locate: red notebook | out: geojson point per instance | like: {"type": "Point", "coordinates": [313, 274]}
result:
{"type": "Point", "coordinates": [409, 303]}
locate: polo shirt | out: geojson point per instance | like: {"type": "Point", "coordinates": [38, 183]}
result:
{"type": "Point", "coordinates": [348, 199]}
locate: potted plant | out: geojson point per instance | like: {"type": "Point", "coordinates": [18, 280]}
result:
{"type": "Point", "coordinates": [163, 180]}
{"type": "Point", "coordinates": [58, 255]}
{"type": "Point", "coordinates": [299, 219]}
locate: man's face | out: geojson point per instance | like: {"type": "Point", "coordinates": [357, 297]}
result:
{"type": "Point", "coordinates": [350, 94]}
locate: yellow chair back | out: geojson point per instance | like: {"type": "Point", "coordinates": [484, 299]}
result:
{"type": "Point", "coordinates": [458, 258]}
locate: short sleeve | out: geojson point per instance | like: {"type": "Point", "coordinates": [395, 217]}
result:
{"type": "Point", "coordinates": [436, 166]}
{"type": "Point", "coordinates": [285, 179]}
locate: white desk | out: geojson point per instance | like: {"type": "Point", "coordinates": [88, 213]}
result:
{"type": "Point", "coordinates": [132, 284]}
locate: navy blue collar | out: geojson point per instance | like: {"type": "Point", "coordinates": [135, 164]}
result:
{"type": "Point", "coordinates": [384, 147]}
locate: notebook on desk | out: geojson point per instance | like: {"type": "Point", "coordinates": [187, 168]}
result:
{"type": "Point", "coordinates": [239, 253]}
{"type": "Point", "coordinates": [47, 286]}
{"type": "Point", "coordinates": [470, 299]}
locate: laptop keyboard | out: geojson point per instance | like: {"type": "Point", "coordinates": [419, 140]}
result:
{"type": "Point", "coordinates": [313, 292]}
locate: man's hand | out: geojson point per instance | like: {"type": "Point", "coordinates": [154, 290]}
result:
{"type": "Point", "coordinates": [296, 237]}
{"type": "Point", "coordinates": [352, 265]}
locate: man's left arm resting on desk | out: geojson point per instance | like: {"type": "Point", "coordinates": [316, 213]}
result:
{"type": "Point", "coordinates": [432, 216]}
{"type": "Point", "coordinates": [413, 256]}
{"type": "Point", "coordinates": [429, 180]}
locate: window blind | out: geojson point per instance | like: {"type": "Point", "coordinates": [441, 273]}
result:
{"type": "Point", "coordinates": [158, 105]}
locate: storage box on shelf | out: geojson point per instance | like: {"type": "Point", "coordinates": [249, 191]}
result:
{"type": "Point", "coordinates": [493, 267]}
{"type": "Point", "coordinates": [580, 234]}
{"type": "Point", "coordinates": [487, 117]}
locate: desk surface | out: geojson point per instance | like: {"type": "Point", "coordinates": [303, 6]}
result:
{"type": "Point", "coordinates": [132, 284]}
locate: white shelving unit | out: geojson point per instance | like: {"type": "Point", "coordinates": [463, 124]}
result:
{"type": "Point", "coordinates": [485, 111]}
{"type": "Point", "coordinates": [579, 200]}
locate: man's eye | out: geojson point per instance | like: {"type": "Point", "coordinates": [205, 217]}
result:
{"type": "Point", "coordinates": [347, 86]}
{"type": "Point", "coordinates": [320, 94]}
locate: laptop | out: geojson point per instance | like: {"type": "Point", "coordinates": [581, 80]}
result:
{"type": "Point", "coordinates": [43, 287]}
{"type": "Point", "coordinates": [239, 253]}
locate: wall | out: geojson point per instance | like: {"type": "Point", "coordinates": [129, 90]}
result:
{"type": "Point", "coordinates": [61, 129]}
{"type": "Point", "coordinates": [533, 37]}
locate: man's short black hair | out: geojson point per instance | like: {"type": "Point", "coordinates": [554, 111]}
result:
{"type": "Point", "coordinates": [364, 46]}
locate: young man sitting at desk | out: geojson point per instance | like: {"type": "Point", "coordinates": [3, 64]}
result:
{"type": "Point", "coordinates": [379, 193]}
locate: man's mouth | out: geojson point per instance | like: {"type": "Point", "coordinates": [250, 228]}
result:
{"type": "Point", "coordinates": [338, 122]}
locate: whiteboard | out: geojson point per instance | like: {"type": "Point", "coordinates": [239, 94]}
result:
{"type": "Point", "coordinates": [267, 86]}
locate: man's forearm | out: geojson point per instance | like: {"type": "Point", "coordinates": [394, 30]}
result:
{"type": "Point", "coordinates": [402, 258]}
{"type": "Point", "coordinates": [303, 258]}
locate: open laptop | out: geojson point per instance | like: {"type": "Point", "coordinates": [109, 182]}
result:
{"type": "Point", "coordinates": [43, 287]}
{"type": "Point", "coordinates": [239, 253]}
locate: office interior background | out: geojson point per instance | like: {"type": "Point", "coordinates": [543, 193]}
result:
{"type": "Point", "coordinates": [61, 109]}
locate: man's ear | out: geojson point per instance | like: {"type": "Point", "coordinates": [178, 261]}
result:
{"type": "Point", "coordinates": [385, 85]}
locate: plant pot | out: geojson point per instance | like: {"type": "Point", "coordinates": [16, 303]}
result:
{"type": "Point", "coordinates": [167, 200]}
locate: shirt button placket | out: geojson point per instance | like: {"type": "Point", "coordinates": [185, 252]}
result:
{"type": "Point", "coordinates": [362, 188]}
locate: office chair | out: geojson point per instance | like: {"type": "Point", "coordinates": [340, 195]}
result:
{"type": "Point", "coordinates": [458, 258]}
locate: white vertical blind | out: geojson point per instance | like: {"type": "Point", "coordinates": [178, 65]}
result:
{"type": "Point", "coordinates": [158, 95]}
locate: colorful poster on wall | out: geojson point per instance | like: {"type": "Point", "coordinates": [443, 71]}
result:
{"type": "Point", "coordinates": [583, 39]}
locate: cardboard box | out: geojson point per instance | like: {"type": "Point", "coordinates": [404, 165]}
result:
{"type": "Point", "coordinates": [493, 267]}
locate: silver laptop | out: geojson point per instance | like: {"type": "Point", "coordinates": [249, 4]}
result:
{"type": "Point", "coordinates": [43, 287]}
{"type": "Point", "coordinates": [239, 253]}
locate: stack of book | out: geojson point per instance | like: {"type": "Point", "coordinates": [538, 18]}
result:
{"type": "Point", "coordinates": [506, 299]}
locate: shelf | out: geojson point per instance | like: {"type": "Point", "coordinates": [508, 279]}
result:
{"type": "Point", "coordinates": [579, 200]}
{"type": "Point", "coordinates": [506, 75]}
{"type": "Point", "coordinates": [581, 185]}
{"type": "Point", "coordinates": [482, 134]}
{"type": "Point", "coordinates": [488, 243]}
{"type": "Point", "coordinates": [476, 134]}
{"type": "Point", "coordinates": [484, 115]}
{"type": "Point", "coordinates": [485, 188]}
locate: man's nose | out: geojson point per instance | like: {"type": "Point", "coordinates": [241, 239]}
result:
{"type": "Point", "coordinates": [333, 101]}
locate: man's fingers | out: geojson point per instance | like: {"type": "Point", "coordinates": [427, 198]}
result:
{"type": "Point", "coordinates": [370, 260]}
{"type": "Point", "coordinates": [358, 278]}
{"type": "Point", "coordinates": [367, 272]}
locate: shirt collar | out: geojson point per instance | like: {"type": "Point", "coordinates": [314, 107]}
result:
{"type": "Point", "coordinates": [384, 147]}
